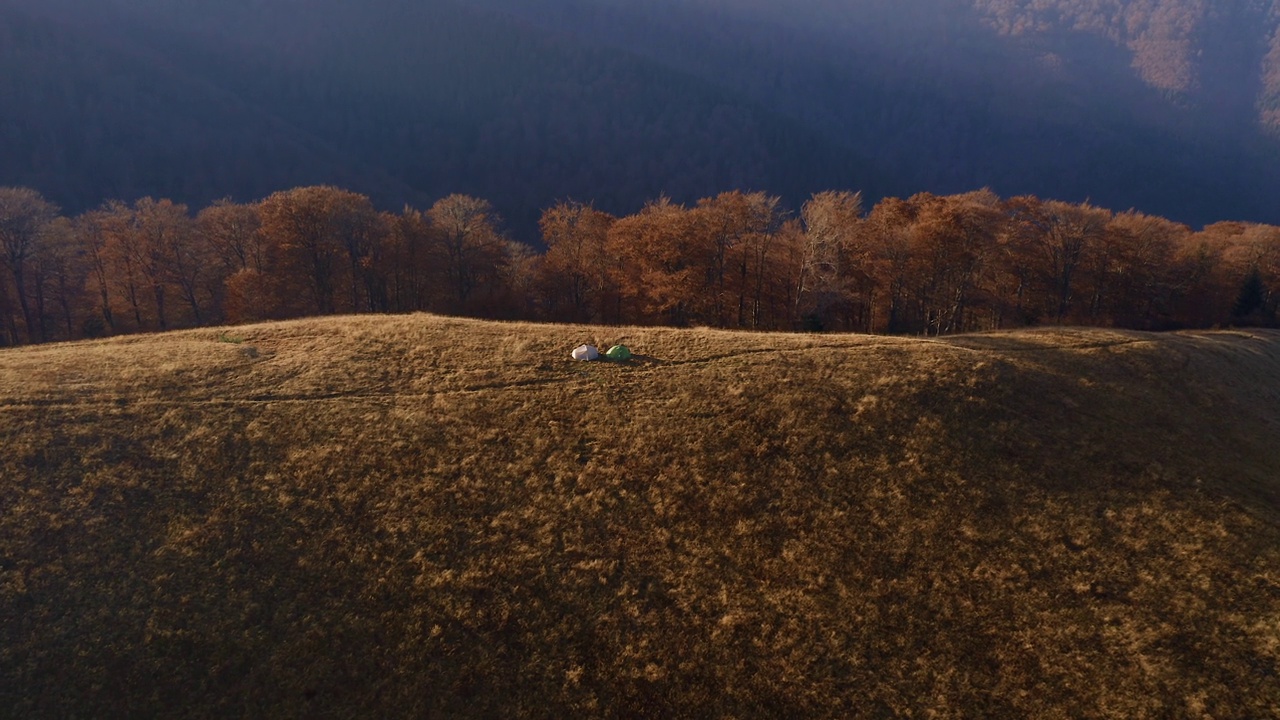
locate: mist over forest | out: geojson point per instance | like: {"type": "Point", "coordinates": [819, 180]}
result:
{"type": "Point", "coordinates": [1170, 107]}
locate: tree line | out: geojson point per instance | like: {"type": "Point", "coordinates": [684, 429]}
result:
{"type": "Point", "coordinates": [927, 264]}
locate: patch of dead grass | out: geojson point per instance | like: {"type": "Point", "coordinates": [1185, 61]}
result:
{"type": "Point", "coordinates": [424, 516]}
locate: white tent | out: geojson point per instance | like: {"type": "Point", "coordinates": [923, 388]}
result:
{"type": "Point", "coordinates": [586, 353]}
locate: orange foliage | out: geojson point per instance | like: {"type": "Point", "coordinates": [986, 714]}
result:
{"type": "Point", "coordinates": [927, 264]}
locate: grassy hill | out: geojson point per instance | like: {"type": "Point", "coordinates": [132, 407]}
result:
{"type": "Point", "coordinates": [427, 517]}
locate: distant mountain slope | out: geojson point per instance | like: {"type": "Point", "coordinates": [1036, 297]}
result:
{"type": "Point", "coordinates": [1165, 106]}
{"type": "Point", "coordinates": [449, 99]}
{"type": "Point", "coordinates": [1223, 56]}
{"type": "Point", "coordinates": [418, 516]}
{"type": "Point", "coordinates": [957, 94]}
{"type": "Point", "coordinates": [88, 114]}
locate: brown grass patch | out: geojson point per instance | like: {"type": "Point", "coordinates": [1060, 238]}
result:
{"type": "Point", "coordinates": [420, 516]}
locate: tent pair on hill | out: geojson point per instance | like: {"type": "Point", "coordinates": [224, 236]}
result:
{"type": "Point", "coordinates": [587, 353]}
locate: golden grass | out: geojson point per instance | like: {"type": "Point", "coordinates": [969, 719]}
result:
{"type": "Point", "coordinates": [428, 517]}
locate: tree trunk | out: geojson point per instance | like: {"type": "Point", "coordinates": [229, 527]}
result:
{"type": "Point", "coordinates": [160, 316]}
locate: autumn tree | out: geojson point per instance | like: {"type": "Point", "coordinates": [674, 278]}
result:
{"type": "Point", "coordinates": [1204, 292]}
{"type": "Point", "coordinates": [365, 233]}
{"type": "Point", "coordinates": [662, 268]}
{"type": "Point", "coordinates": [765, 272]}
{"type": "Point", "coordinates": [232, 232]}
{"type": "Point", "coordinates": [889, 228]}
{"type": "Point", "coordinates": [92, 232]}
{"type": "Point", "coordinates": [1134, 283]}
{"type": "Point", "coordinates": [152, 222]}
{"type": "Point", "coordinates": [473, 248]}
{"type": "Point", "coordinates": [24, 216]}
{"type": "Point", "coordinates": [169, 256]}
{"type": "Point", "coordinates": [779, 293]}
{"type": "Point", "coordinates": [410, 256]}
{"type": "Point", "coordinates": [53, 279]}
{"type": "Point", "coordinates": [927, 264]}
{"type": "Point", "coordinates": [121, 249]}
{"type": "Point", "coordinates": [517, 283]}
{"type": "Point", "coordinates": [955, 239]}
{"type": "Point", "coordinates": [575, 268]}
{"type": "Point", "coordinates": [836, 274]}
{"type": "Point", "coordinates": [734, 231]}
{"type": "Point", "coordinates": [1063, 235]}
{"type": "Point", "coordinates": [313, 237]}
{"type": "Point", "coordinates": [61, 269]}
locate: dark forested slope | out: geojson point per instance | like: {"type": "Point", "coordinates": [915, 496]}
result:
{"type": "Point", "coordinates": [1168, 106]}
{"type": "Point", "coordinates": [1161, 106]}
{"type": "Point", "coordinates": [444, 98]}
{"type": "Point", "coordinates": [87, 113]}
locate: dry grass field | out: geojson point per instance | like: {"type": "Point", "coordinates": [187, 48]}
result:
{"type": "Point", "coordinates": [426, 517]}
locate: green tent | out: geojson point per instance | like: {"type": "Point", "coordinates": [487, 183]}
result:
{"type": "Point", "coordinates": [618, 352]}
